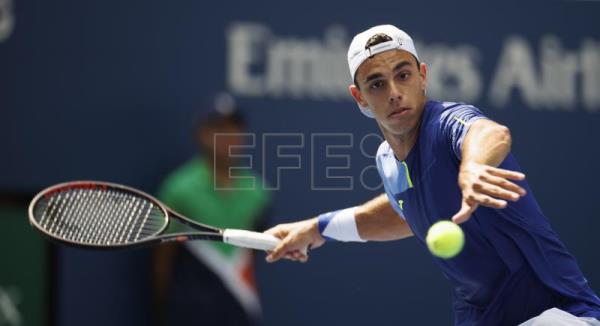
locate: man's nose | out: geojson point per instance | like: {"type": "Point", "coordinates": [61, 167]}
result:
{"type": "Point", "coordinates": [395, 93]}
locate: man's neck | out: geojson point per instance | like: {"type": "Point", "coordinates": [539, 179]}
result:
{"type": "Point", "coordinates": [402, 144]}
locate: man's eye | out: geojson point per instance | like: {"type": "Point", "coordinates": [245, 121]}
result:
{"type": "Point", "coordinates": [376, 84]}
{"type": "Point", "coordinates": [404, 75]}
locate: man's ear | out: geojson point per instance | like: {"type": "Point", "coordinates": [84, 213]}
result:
{"type": "Point", "coordinates": [357, 95]}
{"type": "Point", "coordinates": [423, 74]}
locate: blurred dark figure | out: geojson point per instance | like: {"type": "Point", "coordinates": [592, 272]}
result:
{"type": "Point", "coordinates": [202, 282]}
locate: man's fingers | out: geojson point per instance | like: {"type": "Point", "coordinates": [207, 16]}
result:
{"type": "Point", "coordinates": [303, 259]}
{"type": "Point", "coordinates": [486, 200]}
{"type": "Point", "coordinates": [277, 231]}
{"type": "Point", "coordinates": [502, 182]}
{"type": "Point", "coordinates": [508, 174]}
{"type": "Point", "coordinates": [295, 239]}
{"type": "Point", "coordinates": [273, 256]}
{"type": "Point", "coordinates": [290, 255]}
{"type": "Point", "coordinates": [288, 248]}
{"type": "Point", "coordinates": [279, 251]}
{"type": "Point", "coordinates": [299, 256]}
{"type": "Point", "coordinates": [495, 191]}
{"type": "Point", "coordinates": [464, 213]}
{"type": "Point", "coordinates": [488, 186]}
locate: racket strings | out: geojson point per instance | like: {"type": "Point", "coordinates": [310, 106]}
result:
{"type": "Point", "coordinates": [106, 229]}
{"type": "Point", "coordinates": [95, 223]}
{"type": "Point", "coordinates": [69, 207]}
{"type": "Point", "coordinates": [101, 217]}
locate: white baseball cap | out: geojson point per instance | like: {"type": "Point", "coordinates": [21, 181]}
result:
{"type": "Point", "coordinates": [358, 52]}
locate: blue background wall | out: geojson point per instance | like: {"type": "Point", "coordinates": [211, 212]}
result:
{"type": "Point", "coordinates": [106, 90]}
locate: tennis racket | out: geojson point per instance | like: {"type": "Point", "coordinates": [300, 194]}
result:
{"type": "Point", "coordinates": [106, 215]}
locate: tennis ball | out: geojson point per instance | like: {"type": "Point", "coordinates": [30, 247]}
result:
{"type": "Point", "coordinates": [445, 239]}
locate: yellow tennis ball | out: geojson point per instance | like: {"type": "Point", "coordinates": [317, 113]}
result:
{"type": "Point", "coordinates": [445, 239]}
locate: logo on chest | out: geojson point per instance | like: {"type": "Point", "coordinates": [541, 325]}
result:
{"type": "Point", "coordinates": [401, 204]}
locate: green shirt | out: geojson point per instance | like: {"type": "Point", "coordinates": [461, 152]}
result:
{"type": "Point", "coordinates": [190, 191]}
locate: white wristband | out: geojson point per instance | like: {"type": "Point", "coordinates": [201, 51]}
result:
{"type": "Point", "coordinates": [339, 225]}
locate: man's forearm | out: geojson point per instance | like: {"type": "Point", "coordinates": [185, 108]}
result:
{"type": "Point", "coordinates": [486, 143]}
{"type": "Point", "coordinates": [376, 220]}
{"type": "Point", "coordinates": [481, 182]}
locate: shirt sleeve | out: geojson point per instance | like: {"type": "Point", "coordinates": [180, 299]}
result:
{"type": "Point", "coordinates": [455, 122]}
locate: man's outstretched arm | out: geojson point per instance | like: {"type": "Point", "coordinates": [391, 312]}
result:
{"type": "Point", "coordinates": [485, 146]}
{"type": "Point", "coordinates": [375, 220]}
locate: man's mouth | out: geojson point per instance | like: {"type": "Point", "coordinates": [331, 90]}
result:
{"type": "Point", "coordinates": [398, 112]}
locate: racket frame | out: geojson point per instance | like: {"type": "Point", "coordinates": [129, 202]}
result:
{"type": "Point", "coordinates": [205, 232]}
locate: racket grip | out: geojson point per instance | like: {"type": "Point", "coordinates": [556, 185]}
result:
{"type": "Point", "coordinates": [249, 239]}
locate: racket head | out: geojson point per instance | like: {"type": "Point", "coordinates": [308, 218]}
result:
{"type": "Point", "coordinates": [97, 214]}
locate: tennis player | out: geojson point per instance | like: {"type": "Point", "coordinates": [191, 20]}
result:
{"type": "Point", "coordinates": [445, 160]}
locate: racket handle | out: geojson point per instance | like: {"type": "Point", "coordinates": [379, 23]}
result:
{"type": "Point", "coordinates": [249, 239]}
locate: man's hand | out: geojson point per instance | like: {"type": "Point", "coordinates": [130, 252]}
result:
{"type": "Point", "coordinates": [296, 238]}
{"type": "Point", "coordinates": [486, 185]}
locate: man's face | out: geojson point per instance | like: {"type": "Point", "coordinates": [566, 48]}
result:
{"type": "Point", "coordinates": [222, 139]}
{"type": "Point", "coordinates": [393, 87]}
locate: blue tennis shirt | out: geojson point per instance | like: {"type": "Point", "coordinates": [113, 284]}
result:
{"type": "Point", "coordinates": [513, 265]}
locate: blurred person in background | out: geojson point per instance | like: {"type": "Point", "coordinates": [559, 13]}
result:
{"type": "Point", "coordinates": [211, 279]}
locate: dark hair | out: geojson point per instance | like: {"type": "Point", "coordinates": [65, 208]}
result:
{"type": "Point", "coordinates": [214, 122]}
{"type": "Point", "coordinates": [377, 39]}
{"type": "Point", "coordinates": [215, 119]}
{"type": "Point", "coordinates": [217, 110]}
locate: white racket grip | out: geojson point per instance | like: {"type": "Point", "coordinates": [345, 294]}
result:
{"type": "Point", "coordinates": [249, 239]}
